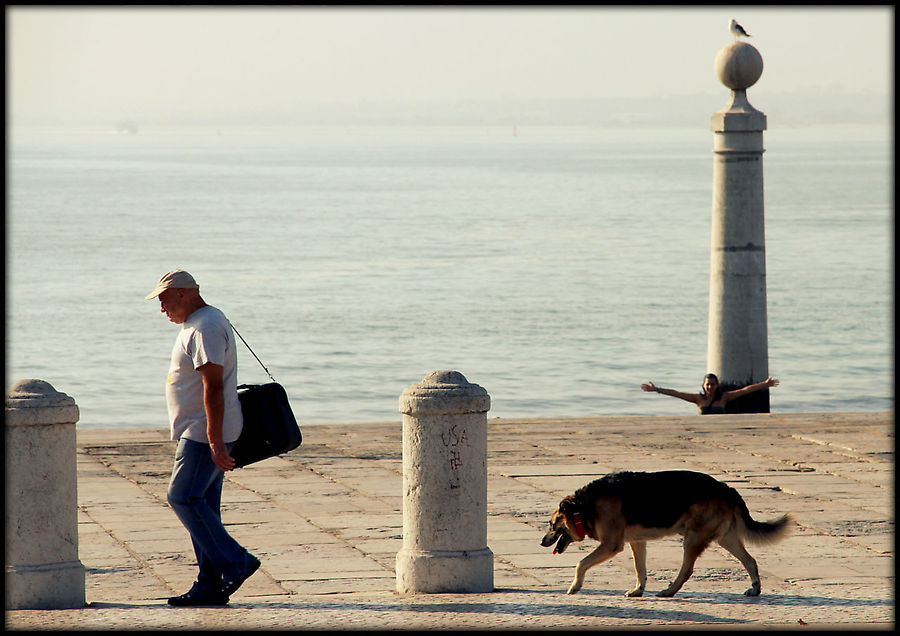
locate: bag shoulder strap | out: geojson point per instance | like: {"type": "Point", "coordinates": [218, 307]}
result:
{"type": "Point", "coordinates": [254, 354]}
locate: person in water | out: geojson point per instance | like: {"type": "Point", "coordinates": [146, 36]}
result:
{"type": "Point", "coordinates": [712, 399]}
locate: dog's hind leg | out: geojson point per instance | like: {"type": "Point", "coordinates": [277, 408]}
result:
{"type": "Point", "coordinates": [603, 552]}
{"type": "Point", "coordinates": [694, 546]}
{"type": "Point", "coordinates": [639, 552]}
{"type": "Point", "coordinates": [735, 546]}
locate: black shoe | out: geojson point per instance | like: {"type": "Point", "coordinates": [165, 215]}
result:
{"type": "Point", "coordinates": [230, 586]}
{"type": "Point", "coordinates": [195, 599]}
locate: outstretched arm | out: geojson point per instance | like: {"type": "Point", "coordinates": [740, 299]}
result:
{"type": "Point", "coordinates": [687, 397]}
{"type": "Point", "coordinates": [750, 388]}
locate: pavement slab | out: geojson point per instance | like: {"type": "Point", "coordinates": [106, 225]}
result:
{"type": "Point", "coordinates": [326, 523]}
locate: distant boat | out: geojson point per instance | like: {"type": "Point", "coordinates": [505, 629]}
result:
{"type": "Point", "coordinates": [128, 126]}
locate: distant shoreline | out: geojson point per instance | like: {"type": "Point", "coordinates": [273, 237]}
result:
{"type": "Point", "coordinates": [824, 415]}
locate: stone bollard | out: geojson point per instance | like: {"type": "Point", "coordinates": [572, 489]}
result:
{"type": "Point", "coordinates": [42, 566]}
{"type": "Point", "coordinates": [445, 487]}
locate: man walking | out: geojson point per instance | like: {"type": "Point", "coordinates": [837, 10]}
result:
{"type": "Point", "coordinates": [205, 418]}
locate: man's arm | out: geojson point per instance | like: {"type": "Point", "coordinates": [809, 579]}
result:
{"type": "Point", "coordinates": [214, 403]}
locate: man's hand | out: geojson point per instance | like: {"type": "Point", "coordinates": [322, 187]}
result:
{"type": "Point", "coordinates": [221, 457]}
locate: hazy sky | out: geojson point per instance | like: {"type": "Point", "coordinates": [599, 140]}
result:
{"type": "Point", "coordinates": [102, 64]}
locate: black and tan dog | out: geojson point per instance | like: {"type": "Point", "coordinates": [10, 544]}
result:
{"type": "Point", "coordinates": [638, 507]}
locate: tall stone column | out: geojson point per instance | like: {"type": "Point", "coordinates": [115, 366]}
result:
{"type": "Point", "coordinates": [737, 346]}
{"type": "Point", "coordinates": [42, 566]}
{"type": "Point", "coordinates": [445, 487]}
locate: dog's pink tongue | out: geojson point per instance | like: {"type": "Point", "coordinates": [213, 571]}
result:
{"type": "Point", "coordinates": [554, 551]}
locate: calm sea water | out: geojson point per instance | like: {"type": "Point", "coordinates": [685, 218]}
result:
{"type": "Point", "coordinates": [558, 267]}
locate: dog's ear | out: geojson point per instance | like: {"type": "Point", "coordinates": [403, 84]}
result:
{"type": "Point", "coordinates": [567, 506]}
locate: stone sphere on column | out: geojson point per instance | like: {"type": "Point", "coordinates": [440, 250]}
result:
{"type": "Point", "coordinates": [738, 65]}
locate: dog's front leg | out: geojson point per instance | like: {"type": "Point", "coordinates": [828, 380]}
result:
{"type": "Point", "coordinates": [603, 552]}
{"type": "Point", "coordinates": [639, 552]}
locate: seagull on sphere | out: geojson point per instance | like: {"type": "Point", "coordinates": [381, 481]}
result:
{"type": "Point", "coordinates": [737, 30]}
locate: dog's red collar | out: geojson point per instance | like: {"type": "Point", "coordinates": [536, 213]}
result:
{"type": "Point", "coordinates": [578, 527]}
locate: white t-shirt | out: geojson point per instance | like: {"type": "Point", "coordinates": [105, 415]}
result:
{"type": "Point", "coordinates": [206, 336]}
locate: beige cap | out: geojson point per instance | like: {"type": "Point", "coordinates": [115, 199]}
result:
{"type": "Point", "coordinates": [176, 279]}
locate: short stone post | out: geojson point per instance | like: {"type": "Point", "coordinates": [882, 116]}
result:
{"type": "Point", "coordinates": [42, 566]}
{"type": "Point", "coordinates": [445, 487]}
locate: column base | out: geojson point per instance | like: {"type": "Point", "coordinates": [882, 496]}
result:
{"type": "Point", "coordinates": [445, 571]}
{"type": "Point", "coordinates": [45, 586]}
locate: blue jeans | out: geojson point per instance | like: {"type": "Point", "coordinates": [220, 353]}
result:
{"type": "Point", "coordinates": [195, 493]}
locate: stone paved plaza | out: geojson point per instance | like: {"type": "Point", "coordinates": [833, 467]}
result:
{"type": "Point", "coordinates": [326, 522]}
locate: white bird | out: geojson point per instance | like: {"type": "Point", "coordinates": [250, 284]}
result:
{"type": "Point", "coordinates": [737, 30]}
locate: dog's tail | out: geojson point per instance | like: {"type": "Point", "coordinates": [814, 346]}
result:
{"type": "Point", "coordinates": [762, 532]}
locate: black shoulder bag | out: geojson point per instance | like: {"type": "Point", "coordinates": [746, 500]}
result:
{"type": "Point", "coordinates": [270, 427]}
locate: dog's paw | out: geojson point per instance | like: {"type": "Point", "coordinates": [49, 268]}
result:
{"type": "Point", "coordinates": [574, 588]}
{"type": "Point", "coordinates": [753, 591]}
{"type": "Point", "coordinates": [666, 593]}
{"type": "Point", "coordinates": [638, 591]}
